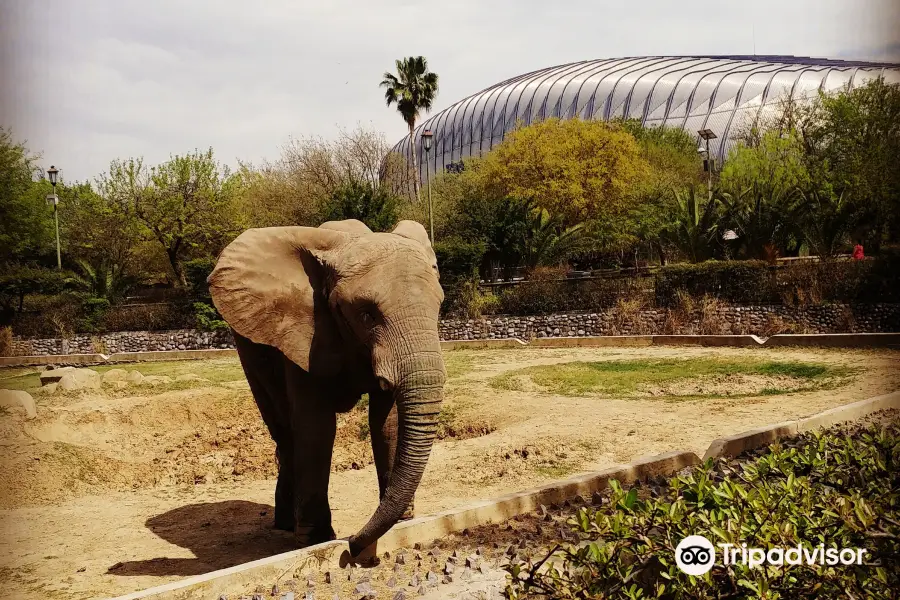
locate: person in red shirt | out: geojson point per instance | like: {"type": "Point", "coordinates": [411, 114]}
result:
{"type": "Point", "coordinates": [858, 252]}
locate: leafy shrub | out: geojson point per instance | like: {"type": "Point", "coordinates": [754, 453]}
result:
{"type": "Point", "coordinates": [738, 282]}
{"type": "Point", "coordinates": [196, 271]}
{"type": "Point", "coordinates": [92, 312]}
{"type": "Point", "coordinates": [548, 291]}
{"type": "Point", "coordinates": [208, 318]}
{"type": "Point", "coordinates": [150, 317]}
{"type": "Point", "coordinates": [458, 263]}
{"type": "Point", "coordinates": [19, 281]}
{"type": "Point", "coordinates": [837, 488]}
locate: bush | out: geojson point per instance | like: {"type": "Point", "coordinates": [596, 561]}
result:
{"type": "Point", "coordinates": [737, 282]}
{"type": "Point", "coordinates": [547, 291]}
{"type": "Point", "coordinates": [149, 317]}
{"type": "Point", "coordinates": [93, 310]}
{"type": "Point", "coordinates": [207, 318]}
{"type": "Point", "coordinates": [196, 271]}
{"type": "Point", "coordinates": [839, 489]}
{"type": "Point", "coordinates": [458, 264]}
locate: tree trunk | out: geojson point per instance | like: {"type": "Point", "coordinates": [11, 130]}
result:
{"type": "Point", "coordinates": [415, 162]}
{"type": "Point", "coordinates": [176, 267]}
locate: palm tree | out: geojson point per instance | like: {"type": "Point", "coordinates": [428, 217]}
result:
{"type": "Point", "coordinates": [548, 242]}
{"type": "Point", "coordinates": [694, 220]}
{"type": "Point", "coordinates": [412, 89]}
{"type": "Point", "coordinates": [105, 279]}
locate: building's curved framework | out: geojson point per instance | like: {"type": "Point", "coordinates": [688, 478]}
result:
{"type": "Point", "coordinates": [721, 93]}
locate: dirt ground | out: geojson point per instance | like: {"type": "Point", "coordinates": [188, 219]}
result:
{"type": "Point", "coordinates": [111, 491]}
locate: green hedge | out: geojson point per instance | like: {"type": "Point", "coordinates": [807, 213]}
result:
{"type": "Point", "coordinates": [839, 489]}
{"type": "Point", "coordinates": [738, 282]}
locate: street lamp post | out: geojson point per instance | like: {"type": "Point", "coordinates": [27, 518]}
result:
{"type": "Point", "coordinates": [426, 143]}
{"type": "Point", "coordinates": [708, 162]}
{"type": "Point", "coordinates": [53, 199]}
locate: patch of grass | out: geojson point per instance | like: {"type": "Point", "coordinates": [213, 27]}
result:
{"type": "Point", "coordinates": [458, 363]}
{"type": "Point", "coordinates": [622, 378]}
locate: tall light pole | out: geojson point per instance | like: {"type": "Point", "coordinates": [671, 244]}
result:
{"type": "Point", "coordinates": [708, 162]}
{"type": "Point", "coordinates": [53, 199]}
{"type": "Point", "coordinates": [426, 143]}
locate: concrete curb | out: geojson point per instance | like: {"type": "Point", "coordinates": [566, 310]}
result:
{"type": "Point", "coordinates": [826, 340]}
{"type": "Point", "coordinates": [735, 341]}
{"type": "Point", "coordinates": [483, 344]}
{"type": "Point", "coordinates": [593, 341]}
{"type": "Point", "coordinates": [331, 554]}
{"type": "Point", "coordinates": [757, 438]}
{"type": "Point", "coordinates": [53, 359]}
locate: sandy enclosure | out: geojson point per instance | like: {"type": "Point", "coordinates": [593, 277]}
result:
{"type": "Point", "coordinates": [108, 492]}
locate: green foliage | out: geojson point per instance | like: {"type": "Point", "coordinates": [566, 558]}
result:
{"type": "Point", "coordinates": [196, 272]}
{"type": "Point", "coordinates": [693, 224]}
{"type": "Point", "coordinates": [26, 222]}
{"type": "Point", "coordinates": [777, 163]}
{"type": "Point", "coordinates": [17, 281]}
{"type": "Point", "coordinates": [208, 318]}
{"type": "Point", "coordinates": [102, 280]}
{"type": "Point", "coordinates": [740, 282]}
{"type": "Point", "coordinates": [458, 263]}
{"type": "Point", "coordinates": [548, 291]}
{"type": "Point", "coordinates": [766, 221]}
{"type": "Point", "coordinates": [627, 378]}
{"type": "Point", "coordinates": [836, 488]}
{"type": "Point", "coordinates": [375, 206]}
{"type": "Point", "coordinates": [93, 311]}
{"type": "Point", "coordinates": [185, 204]}
{"type": "Point", "coordinates": [580, 170]}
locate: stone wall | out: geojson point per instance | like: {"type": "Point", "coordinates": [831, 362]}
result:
{"type": "Point", "coordinates": [759, 320]}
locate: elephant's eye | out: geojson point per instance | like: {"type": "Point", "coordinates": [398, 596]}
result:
{"type": "Point", "coordinates": [367, 318]}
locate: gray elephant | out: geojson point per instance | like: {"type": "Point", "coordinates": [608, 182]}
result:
{"type": "Point", "coordinates": [321, 316]}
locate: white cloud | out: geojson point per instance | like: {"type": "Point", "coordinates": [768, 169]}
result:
{"type": "Point", "coordinates": [86, 82]}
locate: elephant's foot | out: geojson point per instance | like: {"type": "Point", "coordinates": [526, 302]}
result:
{"type": "Point", "coordinates": [283, 523]}
{"type": "Point", "coordinates": [311, 535]}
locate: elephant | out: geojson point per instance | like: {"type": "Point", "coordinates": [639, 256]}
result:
{"type": "Point", "coordinates": [321, 316]}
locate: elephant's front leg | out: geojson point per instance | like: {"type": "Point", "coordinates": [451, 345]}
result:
{"type": "Point", "coordinates": [313, 424]}
{"type": "Point", "coordinates": [383, 430]}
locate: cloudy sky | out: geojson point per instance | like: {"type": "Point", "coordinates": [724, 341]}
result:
{"type": "Point", "coordinates": [88, 81]}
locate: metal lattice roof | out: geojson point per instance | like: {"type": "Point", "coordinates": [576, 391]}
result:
{"type": "Point", "coordinates": [720, 93]}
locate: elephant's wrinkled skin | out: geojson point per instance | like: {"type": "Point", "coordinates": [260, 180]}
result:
{"type": "Point", "coordinates": [320, 317]}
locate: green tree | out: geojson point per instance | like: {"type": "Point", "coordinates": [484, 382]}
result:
{"type": "Point", "coordinates": [765, 219]}
{"type": "Point", "coordinates": [777, 163]}
{"type": "Point", "coordinates": [579, 170]}
{"type": "Point", "coordinates": [693, 224]}
{"type": "Point", "coordinates": [413, 89]}
{"type": "Point", "coordinates": [548, 241]}
{"type": "Point", "coordinates": [105, 279]}
{"type": "Point", "coordinates": [184, 204]}
{"type": "Point", "coordinates": [373, 205]}
{"type": "Point", "coordinates": [26, 223]}
{"type": "Point", "coordinates": [852, 140]}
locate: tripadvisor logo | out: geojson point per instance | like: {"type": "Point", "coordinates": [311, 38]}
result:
{"type": "Point", "coordinates": [695, 555]}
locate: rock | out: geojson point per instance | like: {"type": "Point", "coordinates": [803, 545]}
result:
{"type": "Point", "coordinates": [400, 595]}
{"type": "Point", "coordinates": [364, 590]}
{"type": "Point", "coordinates": [155, 380]}
{"type": "Point", "coordinates": [448, 578]}
{"type": "Point", "coordinates": [414, 582]}
{"type": "Point", "coordinates": [190, 377]}
{"type": "Point", "coordinates": [54, 375]}
{"type": "Point", "coordinates": [422, 590]}
{"type": "Point", "coordinates": [431, 578]}
{"type": "Point", "coordinates": [134, 377]}
{"type": "Point", "coordinates": [78, 379]}
{"type": "Point", "coordinates": [50, 388]}
{"type": "Point", "coordinates": [114, 375]}
{"type": "Point", "coordinates": [392, 582]}
{"type": "Point", "coordinates": [401, 559]}
{"type": "Point", "coordinates": [327, 576]}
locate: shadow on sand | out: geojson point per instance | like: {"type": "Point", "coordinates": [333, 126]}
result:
{"type": "Point", "coordinates": [219, 534]}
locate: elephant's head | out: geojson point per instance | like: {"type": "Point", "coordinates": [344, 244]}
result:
{"type": "Point", "coordinates": [325, 296]}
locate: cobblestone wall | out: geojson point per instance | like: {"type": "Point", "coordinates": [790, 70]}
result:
{"type": "Point", "coordinates": [758, 320]}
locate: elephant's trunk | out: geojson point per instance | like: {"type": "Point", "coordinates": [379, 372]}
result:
{"type": "Point", "coordinates": [418, 394]}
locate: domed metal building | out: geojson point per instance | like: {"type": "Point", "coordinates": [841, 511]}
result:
{"type": "Point", "coordinates": [720, 93]}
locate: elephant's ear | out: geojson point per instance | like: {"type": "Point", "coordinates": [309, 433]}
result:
{"type": "Point", "coordinates": [353, 226]}
{"type": "Point", "coordinates": [270, 284]}
{"type": "Point", "coordinates": [414, 231]}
